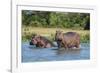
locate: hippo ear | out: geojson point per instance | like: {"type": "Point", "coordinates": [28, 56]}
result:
{"type": "Point", "coordinates": [56, 30]}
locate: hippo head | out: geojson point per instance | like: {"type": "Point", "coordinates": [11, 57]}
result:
{"type": "Point", "coordinates": [33, 40]}
{"type": "Point", "coordinates": [58, 35]}
{"type": "Point", "coordinates": [37, 38]}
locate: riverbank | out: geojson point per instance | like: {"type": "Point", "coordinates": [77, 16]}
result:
{"type": "Point", "coordinates": [27, 32]}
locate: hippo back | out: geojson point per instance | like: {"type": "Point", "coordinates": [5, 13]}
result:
{"type": "Point", "coordinates": [72, 39]}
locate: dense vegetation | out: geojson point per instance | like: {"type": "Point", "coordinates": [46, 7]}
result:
{"type": "Point", "coordinates": [46, 23]}
{"type": "Point", "coordinates": [55, 19]}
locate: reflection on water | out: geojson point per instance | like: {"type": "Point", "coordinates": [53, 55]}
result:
{"type": "Point", "coordinates": [72, 51]}
{"type": "Point", "coordinates": [33, 54]}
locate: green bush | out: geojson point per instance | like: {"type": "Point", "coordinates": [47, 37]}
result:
{"type": "Point", "coordinates": [85, 38]}
{"type": "Point", "coordinates": [55, 19]}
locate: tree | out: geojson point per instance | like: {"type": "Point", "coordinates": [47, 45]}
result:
{"type": "Point", "coordinates": [87, 26]}
{"type": "Point", "coordinates": [56, 19]}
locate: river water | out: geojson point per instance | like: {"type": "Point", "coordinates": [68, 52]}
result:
{"type": "Point", "coordinates": [32, 54]}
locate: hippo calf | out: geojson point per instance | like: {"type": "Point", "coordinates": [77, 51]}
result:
{"type": "Point", "coordinates": [67, 40]}
{"type": "Point", "coordinates": [41, 42]}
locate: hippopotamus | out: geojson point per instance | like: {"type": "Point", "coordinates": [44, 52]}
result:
{"type": "Point", "coordinates": [33, 39]}
{"type": "Point", "coordinates": [67, 40]}
{"type": "Point", "coordinates": [41, 41]}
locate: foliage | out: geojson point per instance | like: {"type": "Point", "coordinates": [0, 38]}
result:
{"type": "Point", "coordinates": [55, 19]}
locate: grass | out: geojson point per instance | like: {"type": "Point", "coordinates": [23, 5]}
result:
{"type": "Point", "coordinates": [27, 32]}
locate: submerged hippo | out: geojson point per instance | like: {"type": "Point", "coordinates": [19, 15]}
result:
{"type": "Point", "coordinates": [67, 40]}
{"type": "Point", "coordinates": [41, 41]}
